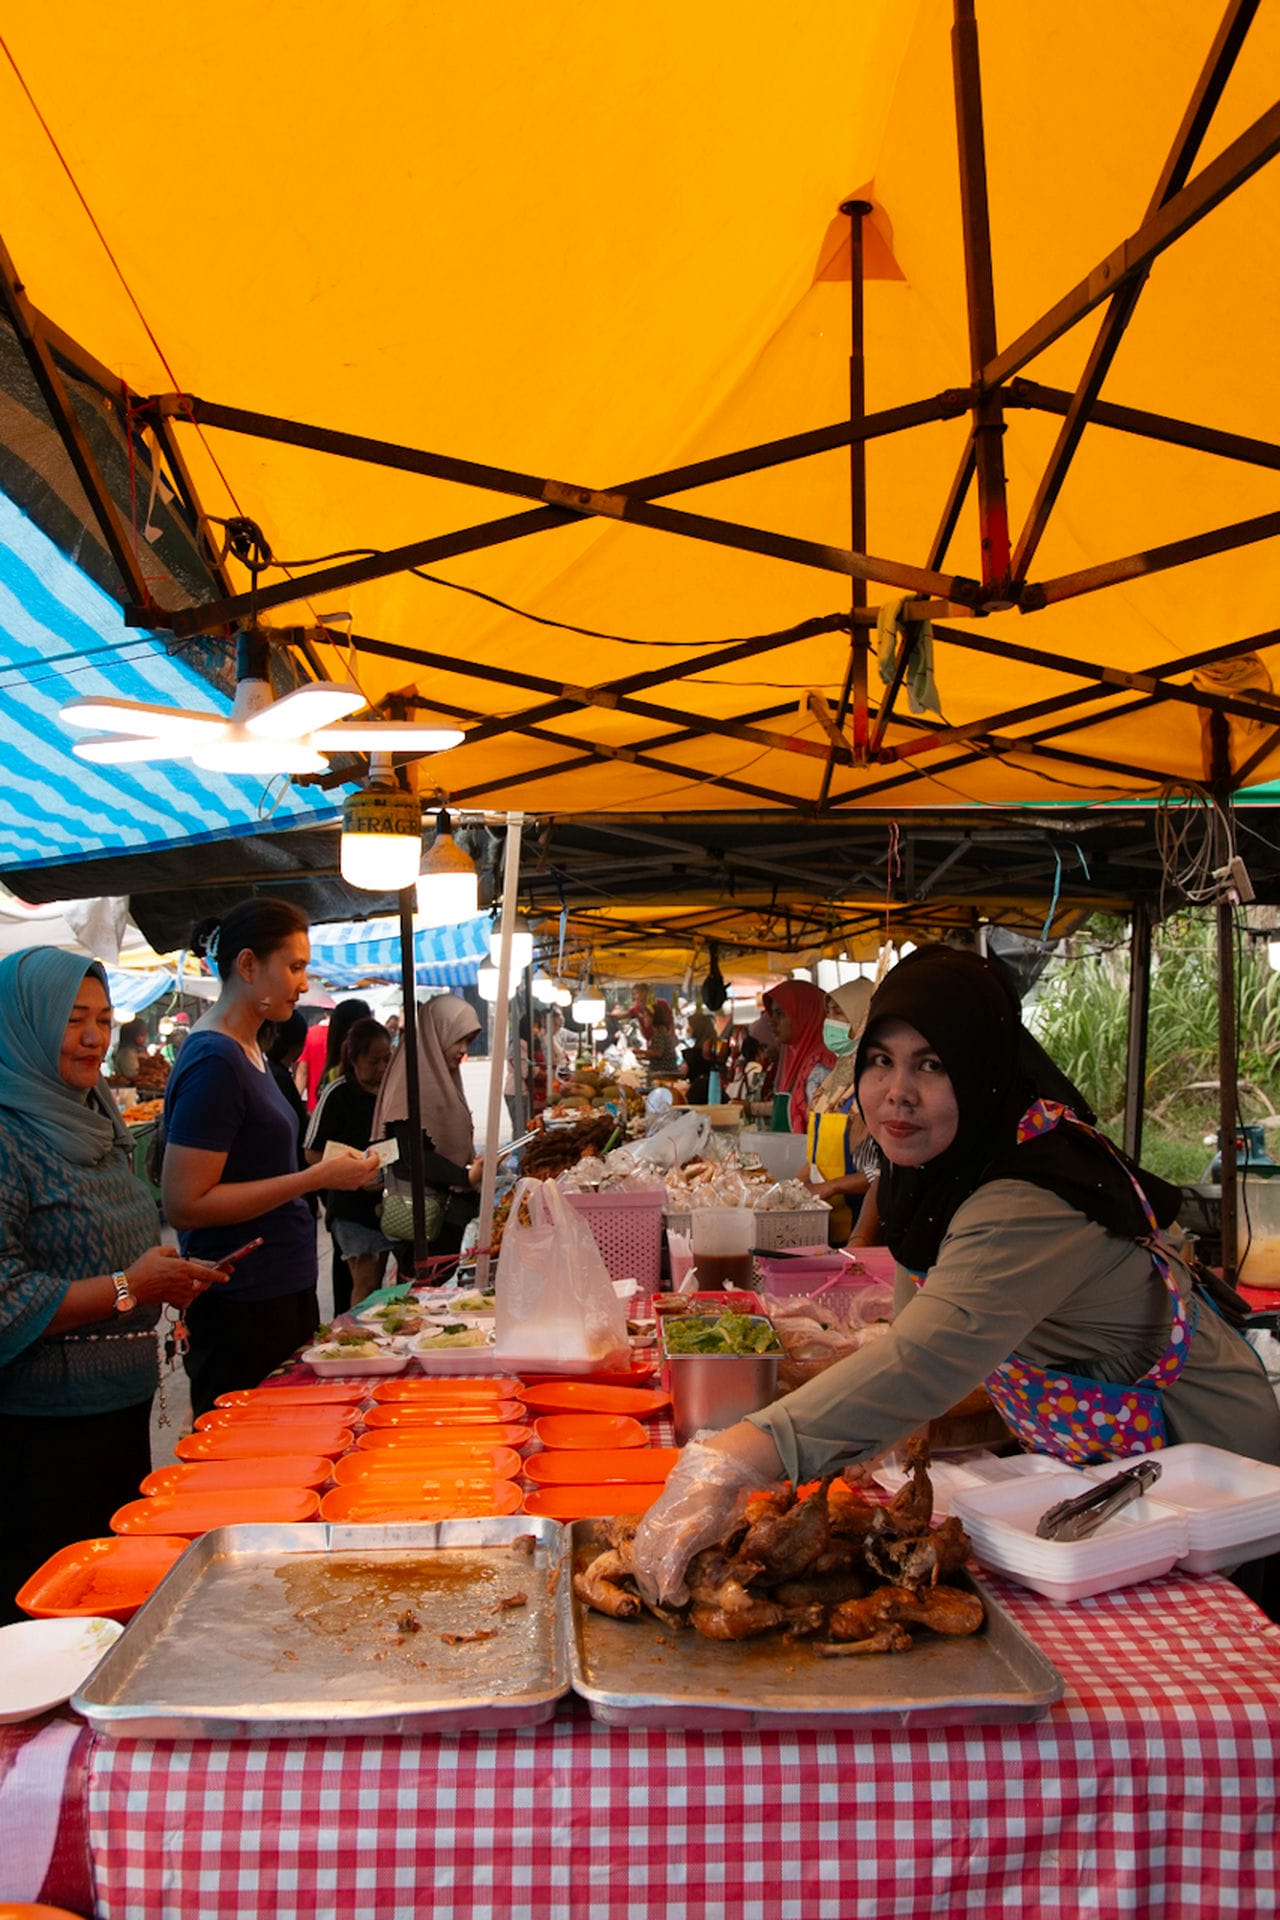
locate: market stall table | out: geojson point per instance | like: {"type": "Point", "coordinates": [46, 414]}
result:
{"type": "Point", "coordinates": [1150, 1787]}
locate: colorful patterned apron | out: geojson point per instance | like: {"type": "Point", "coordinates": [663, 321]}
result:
{"type": "Point", "coordinates": [1077, 1419]}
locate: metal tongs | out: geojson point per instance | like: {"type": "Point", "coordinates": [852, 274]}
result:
{"type": "Point", "coordinates": [1077, 1519]}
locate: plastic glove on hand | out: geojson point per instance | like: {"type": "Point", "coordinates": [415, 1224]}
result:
{"type": "Point", "coordinates": [697, 1505]}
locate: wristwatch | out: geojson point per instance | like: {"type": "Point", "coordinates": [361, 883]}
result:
{"type": "Point", "coordinates": [125, 1301]}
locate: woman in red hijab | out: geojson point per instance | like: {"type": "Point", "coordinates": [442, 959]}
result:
{"type": "Point", "coordinates": [797, 1009]}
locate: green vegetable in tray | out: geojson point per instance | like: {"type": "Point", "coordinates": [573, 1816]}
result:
{"type": "Point", "coordinates": [731, 1333]}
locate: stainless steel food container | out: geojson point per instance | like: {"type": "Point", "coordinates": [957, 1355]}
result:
{"type": "Point", "coordinates": [709, 1391]}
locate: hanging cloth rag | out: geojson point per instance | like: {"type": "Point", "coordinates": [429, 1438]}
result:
{"type": "Point", "coordinates": [892, 633]}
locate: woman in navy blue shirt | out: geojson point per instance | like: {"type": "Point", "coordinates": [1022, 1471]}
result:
{"type": "Point", "coordinates": [231, 1169]}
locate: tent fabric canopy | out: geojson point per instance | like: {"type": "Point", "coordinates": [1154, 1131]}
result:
{"type": "Point", "coordinates": [60, 637]}
{"type": "Point", "coordinates": [572, 245]}
{"type": "Point", "coordinates": [350, 953]}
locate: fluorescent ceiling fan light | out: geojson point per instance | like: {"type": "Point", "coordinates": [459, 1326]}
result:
{"type": "Point", "coordinates": [247, 755]}
{"type": "Point", "coordinates": [118, 749]}
{"type": "Point", "coordinates": [157, 723]}
{"type": "Point", "coordinates": [384, 736]}
{"type": "Point", "coordinates": [319, 704]}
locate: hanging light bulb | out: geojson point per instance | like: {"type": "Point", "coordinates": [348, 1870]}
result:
{"type": "Point", "coordinates": [381, 833]}
{"type": "Point", "coordinates": [448, 885]}
{"type": "Point", "coordinates": [544, 990]}
{"type": "Point", "coordinates": [588, 1008]}
{"type": "Point", "coordinates": [563, 997]}
{"type": "Point", "coordinates": [521, 945]}
{"type": "Point", "coordinates": [487, 984]}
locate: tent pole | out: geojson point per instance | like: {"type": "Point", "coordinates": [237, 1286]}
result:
{"type": "Point", "coordinates": [498, 1041]}
{"type": "Point", "coordinates": [988, 414]}
{"type": "Point", "coordinates": [1135, 1078]}
{"type": "Point", "coordinates": [413, 1080]}
{"type": "Point", "coordinates": [855, 678]}
{"type": "Point", "coordinates": [1224, 910]}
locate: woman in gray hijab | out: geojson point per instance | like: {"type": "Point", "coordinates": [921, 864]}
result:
{"type": "Point", "coordinates": [82, 1281]}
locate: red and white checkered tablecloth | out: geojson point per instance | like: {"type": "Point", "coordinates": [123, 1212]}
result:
{"type": "Point", "coordinates": [1150, 1789]}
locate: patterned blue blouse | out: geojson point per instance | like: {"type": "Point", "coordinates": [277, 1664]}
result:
{"type": "Point", "coordinates": [60, 1223]}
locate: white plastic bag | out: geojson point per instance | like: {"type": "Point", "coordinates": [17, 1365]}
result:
{"type": "Point", "coordinates": [556, 1307]}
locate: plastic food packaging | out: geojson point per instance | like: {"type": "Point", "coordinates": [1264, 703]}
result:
{"type": "Point", "coordinates": [556, 1306]}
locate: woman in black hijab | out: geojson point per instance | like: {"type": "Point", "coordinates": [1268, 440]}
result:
{"type": "Point", "coordinates": [1030, 1260]}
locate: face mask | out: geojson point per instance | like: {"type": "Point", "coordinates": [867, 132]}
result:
{"type": "Point", "coordinates": [836, 1037]}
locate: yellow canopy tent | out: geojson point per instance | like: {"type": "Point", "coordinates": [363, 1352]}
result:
{"type": "Point", "coordinates": [529, 252]}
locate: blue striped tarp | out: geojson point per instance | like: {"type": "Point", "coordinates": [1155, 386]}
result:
{"type": "Point", "coordinates": [131, 991]}
{"type": "Point", "coordinates": [60, 636]}
{"type": "Point", "coordinates": [346, 952]}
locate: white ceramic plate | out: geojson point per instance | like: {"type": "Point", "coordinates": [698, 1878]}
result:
{"type": "Point", "coordinates": [355, 1366]}
{"type": "Point", "coordinates": [42, 1662]}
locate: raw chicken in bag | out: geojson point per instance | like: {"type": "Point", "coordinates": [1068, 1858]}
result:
{"type": "Point", "coordinates": [557, 1309]}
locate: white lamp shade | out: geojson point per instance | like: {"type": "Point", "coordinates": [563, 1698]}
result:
{"type": "Point", "coordinates": [379, 862]}
{"type": "Point", "coordinates": [521, 946]}
{"type": "Point", "coordinates": [588, 1008]}
{"type": "Point", "coordinates": [446, 898]}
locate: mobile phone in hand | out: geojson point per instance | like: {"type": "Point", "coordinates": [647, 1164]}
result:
{"type": "Point", "coordinates": [229, 1259]}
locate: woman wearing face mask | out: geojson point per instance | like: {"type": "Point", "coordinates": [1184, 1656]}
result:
{"type": "Point", "coordinates": [797, 1010]}
{"type": "Point", "coordinates": [1030, 1260]}
{"type": "Point", "coordinates": [345, 1114]}
{"type": "Point", "coordinates": [452, 1170]}
{"type": "Point", "coordinates": [839, 1145]}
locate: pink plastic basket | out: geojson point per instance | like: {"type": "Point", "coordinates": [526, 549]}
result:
{"type": "Point", "coordinates": [627, 1228]}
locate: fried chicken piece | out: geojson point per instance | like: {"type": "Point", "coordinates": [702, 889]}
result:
{"type": "Point", "coordinates": [891, 1639]}
{"type": "Point", "coordinates": [598, 1586]}
{"type": "Point", "coordinates": [920, 1562]}
{"type": "Point", "coordinates": [850, 1584]}
{"type": "Point", "coordinates": [911, 1508]}
{"type": "Point", "coordinates": [945, 1610]}
{"type": "Point", "coordinates": [849, 1512]}
{"type": "Point", "coordinates": [786, 1544]}
{"type": "Point", "coordinates": [620, 1531]}
{"type": "Point", "coordinates": [742, 1620]}
{"type": "Point", "coordinates": [713, 1573]}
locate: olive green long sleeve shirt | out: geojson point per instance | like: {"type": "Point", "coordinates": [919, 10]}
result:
{"type": "Point", "coordinates": [1020, 1271]}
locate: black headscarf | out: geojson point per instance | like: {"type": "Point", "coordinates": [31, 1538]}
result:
{"type": "Point", "coordinates": [967, 1009]}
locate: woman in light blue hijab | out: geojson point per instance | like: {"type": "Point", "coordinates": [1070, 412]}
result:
{"type": "Point", "coordinates": [82, 1281]}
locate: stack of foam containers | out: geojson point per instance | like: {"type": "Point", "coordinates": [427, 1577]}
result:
{"type": "Point", "coordinates": [1210, 1509]}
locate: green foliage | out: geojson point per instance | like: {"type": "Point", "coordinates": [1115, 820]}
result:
{"type": "Point", "coordinates": [1081, 1016]}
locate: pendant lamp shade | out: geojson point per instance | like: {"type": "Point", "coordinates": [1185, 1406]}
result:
{"type": "Point", "coordinates": [448, 885]}
{"type": "Point", "coordinates": [521, 946]}
{"type": "Point", "coordinates": [381, 839]}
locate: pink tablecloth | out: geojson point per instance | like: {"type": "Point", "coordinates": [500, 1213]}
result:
{"type": "Point", "coordinates": [1150, 1789]}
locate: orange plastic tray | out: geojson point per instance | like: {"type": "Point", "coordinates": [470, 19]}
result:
{"type": "Point", "coordinates": [108, 1578]}
{"type": "Point", "coordinates": [230, 1476]}
{"type": "Point", "coordinates": [273, 1416]}
{"type": "Point", "coordinates": [584, 1396]}
{"type": "Point", "coordinates": [590, 1430]}
{"type": "Point", "coordinates": [610, 1466]}
{"type": "Point", "coordinates": [255, 1442]}
{"type": "Point", "coordinates": [423, 1439]}
{"type": "Point", "coordinates": [324, 1393]}
{"type": "Point", "coordinates": [450, 1390]}
{"type": "Point", "coordinates": [469, 1497]}
{"type": "Point", "coordinates": [394, 1463]}
{"type": "Point", "coordinates": [590, 1503]}
{"type": "Point", "coordinates": [193, 1513]}
{"type": "Point", "coordinates": [476, 1413]}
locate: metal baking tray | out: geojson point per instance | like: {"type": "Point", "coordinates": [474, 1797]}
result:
{"type": "Point", "coordinates": [638, 1673]}
{"type": "Point", "coordinates": [293, 1630]}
